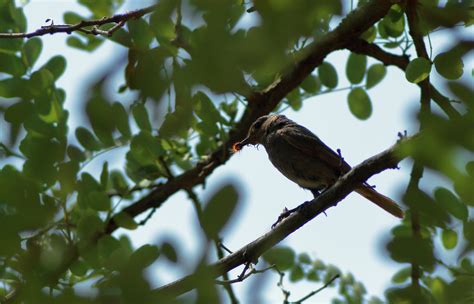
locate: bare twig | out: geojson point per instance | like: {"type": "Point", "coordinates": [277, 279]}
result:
{"type": "Point", "coordinates": [309, 295]}
{"type": "Point", "coordinates": [83, 26]}
{"type": "Point", "coordinates": [241, 278]}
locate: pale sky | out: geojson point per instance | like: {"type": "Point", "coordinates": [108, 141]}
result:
{"type": "Point", "coordinates": [353, 234]}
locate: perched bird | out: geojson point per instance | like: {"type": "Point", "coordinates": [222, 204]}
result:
{"type": "Point", "coordinates": [303, 158]}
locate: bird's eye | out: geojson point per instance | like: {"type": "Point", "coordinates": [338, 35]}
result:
{"type": "Point", "coordinates": [258, 124]}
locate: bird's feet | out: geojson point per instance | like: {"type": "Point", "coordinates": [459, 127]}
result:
{"type": "Point", "coordinates": [286, 213]}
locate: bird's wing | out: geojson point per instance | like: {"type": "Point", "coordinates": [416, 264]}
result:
{"type": "Point", "coordinates": [308, 143]}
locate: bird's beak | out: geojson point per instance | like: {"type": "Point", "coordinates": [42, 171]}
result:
{"type": "Point", "coordinates": [239, 145]}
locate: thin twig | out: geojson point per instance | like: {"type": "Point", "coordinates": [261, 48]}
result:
{"type": "Point", "coordinates": [82, 26]}
{"type": "Point", "coordinates": [309, 295]}
{"type": "Point", "coordinates": [241, 278]}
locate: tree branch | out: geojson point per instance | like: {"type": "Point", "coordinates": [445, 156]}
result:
{"type": "Point", "coordinates": [119, 20]}
{"type": "Point", "coordinates": [329, 198]}
{"type": "Point", "coordinates": [361, 46]}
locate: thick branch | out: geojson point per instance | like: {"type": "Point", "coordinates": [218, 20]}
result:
{"type": "Point", "coordinates": [361, 46]}
{"type": "Point", "coordinates": [345, 185]}
{"type": "Point", "coordinates": [118, 19]}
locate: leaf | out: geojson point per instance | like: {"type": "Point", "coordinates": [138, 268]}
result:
{"type": "Point", "coordinates": [219, 209]}
{"type": "Point", "coordinates": [412, 250]}
{"type": "Point", "coordinates": [32, 50]}
{"type": "Point", "coordinates": [402, 275]}
{"type": "Point", "coordinates": [375, 74]}
{"type": "Point", "coordinates": [79, 268]}
{"type": "Point", "coordinates": [451, 203]}
{"type": "Point", "coordinates": [296, 274]}
{"type": "Point", "coordinates": [205, 108]}
{"type": "Point", "coordinates": [11, 64]}
{"type": "Point", "coordinates": [144, 256]}
{"type": "Point", "coordinates": [449, 238]}
{"type": "Point", "coordinates": [124, 220]}
{"type": "Point", "coordinates": [359, 103]}
{"type": "Point", "coordinates": [418, 70]}
{"type": "Point", "coordinates": [304, 258]}
{"type": "Point", "coordinates": [121, 120]}
{"type": "Point", "coordinates": [87, 139]}
{"type": "Point", "coordinates": [89, 226]}
{"type": "Point", "coordinates": [75, 153]}
{"type": "Point", "coordinates": [56, 65]}
{"type": "Point", "coordinates": [169, 252]}
{"type": "Point", "coordinates": [283, 257]}
{"type": "Point", "coordinates": [356, 67]}
{"type": "Point", "coordinates": [99, 200]}
{"type": "Point", "coordinates": [140, 115]}
{"type": "Point", "coordinates": [19, 112]}
{"type": "Point", "coordinates": [311, 84]}
{"type": "Point", "coordinates": [140, 32]}
{"type": "Point", "coordinates": [104, 176]}
{"type": "Point", "coordinates": [328, 75]}
{"type": "Point", "coordinates": [449, 65]}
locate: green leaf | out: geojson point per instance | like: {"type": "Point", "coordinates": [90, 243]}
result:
{"type": "Point", "coordinates": [359, 103]}
{"type": "Point", "coordinates": [121, 120]}
{"type": "Point", "coordinates": [328, 75]}
{"type": "Point", "coordinates": [449, 65]}
{"type": "Point", "coordinates": [451, 203]}
{"type": "Point", "coordinates": [464, 92]}
{"type": "Point", "coordinates": [283, 257]}
{"type": "Point", "coordinates": [141, 33]}
{"type": "Point", "coordinates": [104, 176]}
{"type": "Point", "coordinates": [218, 210]}
{"type": "Point", "coordinates": [144, 256]}
{"type": "Point", "coordinates": [79, 268]}
{"type": "Point", "coordinates": [402, 275]}
{"type": "Point", "coordinates": [169, 252]}
{"type": "Point", "coordinates": [76, 154]}
{"type": "Point", "coordinates": [412, 250]}
{"type": "Point", "coordinates": [205, 109]}
{"type": "Point", "coordinates": [56, 65]}
{"type": "Point", "coordinates": [32, 50]}
{"type": "Point", "coordinates": [89, 226]}
{"type": "Point", "coordinates": [99, 201]}
{"type": "Point", "coordinates": [106, 245]}
{"type": "Point", "coordinates": [449, 238]}
{"type": "Point", "coordinates": [311, 84]}
{"type": "Point", "coordinates": [87, 139]}
{"type": "Point", "coordinates": [141, 116]}
{"type": "Point", "coordinates": [124, 220]}
{"type": "Point", "coordinates": [296, 274]}
{"type": "Point", "coordinates": [375, 74]}
{"type": "Point", "coordinates": [313, 276]}
{"type": "Point", "coordinates": [418, 70]}
{"type": "Point", "coordinates": [370, 34]}
{"type": "Point", "coordinates": [11, 64]}
{"type": "Point", "coordinates": [355, 68]}
{"type": "Point", "coordinates": [304, 258]}
{"type": "Point", "coordinates": [19, 112]}
{"type": "Point", "coordinates": [119, 183]}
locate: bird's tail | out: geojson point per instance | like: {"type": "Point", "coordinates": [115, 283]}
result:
{"type": "Point", "coordinates": [381, 200]}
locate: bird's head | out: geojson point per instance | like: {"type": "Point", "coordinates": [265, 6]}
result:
{"type": "Point", "coordinates": [260, 129]}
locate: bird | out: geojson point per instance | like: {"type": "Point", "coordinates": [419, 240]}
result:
{"type": "Point", "coordinates": [304, 158]}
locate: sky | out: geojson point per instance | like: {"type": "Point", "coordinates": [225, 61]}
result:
{"type": "Point", "coordinates": [351, 236]}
